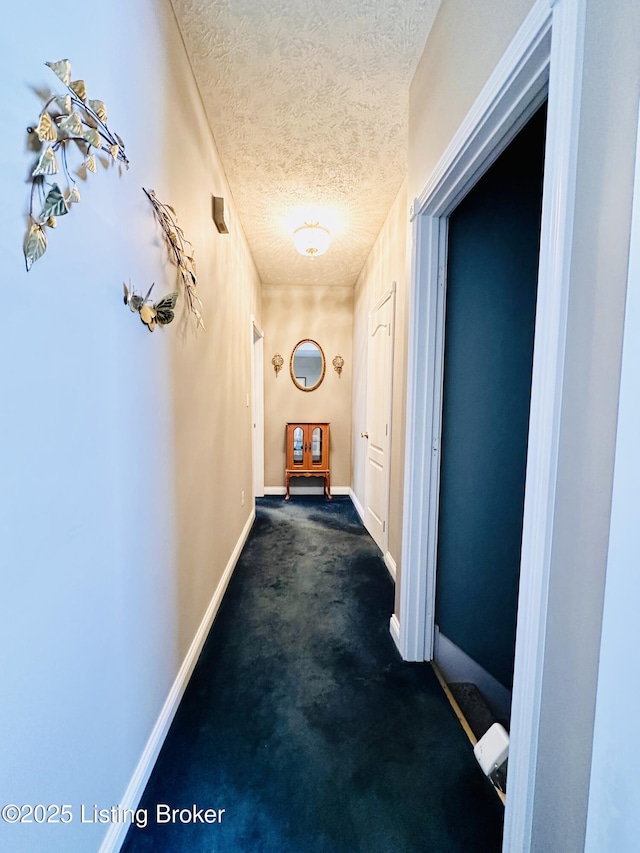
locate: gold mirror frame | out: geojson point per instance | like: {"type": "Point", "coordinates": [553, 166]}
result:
{"type": "Point", "coordinates": [293, 373]}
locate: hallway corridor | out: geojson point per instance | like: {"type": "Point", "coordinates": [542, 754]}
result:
{"type": "Point", "coordinates": [301, 721]}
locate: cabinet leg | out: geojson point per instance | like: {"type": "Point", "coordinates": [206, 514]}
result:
{"type": "Point", "coordinates": [327, 485]}
{"type": "Point", "coordinates": [286, 482]}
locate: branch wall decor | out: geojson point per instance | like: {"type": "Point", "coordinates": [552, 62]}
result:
{"type": "Point", "coordinates": [182, 252]}
{"type": "Point", "coordinates": [71, 121]}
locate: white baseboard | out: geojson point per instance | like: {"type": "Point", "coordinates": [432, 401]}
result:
{"type": "Point", "coordinates": [357, 504]}
{"type": "Point", "coordinates": [456, 665]}
{"type": "Point", "coordinates": [394, 630]}
{"type": "Point", "coordinates": [305, 490]}
{"type": "Point", "coordinates": [116, 833]}
{"type": "Point", "coordinates": [390, 563]}
{"type": "Point", "coordinates": [274, 490]}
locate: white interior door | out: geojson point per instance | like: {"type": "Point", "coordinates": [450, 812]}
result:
{"type": "Point", "coordinates": [378, 430]}
{"type": "Point", "coordinates": [257, 408]}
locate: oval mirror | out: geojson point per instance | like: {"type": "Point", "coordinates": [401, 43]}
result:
{"type": "Point", "coordinates": [307, 365]}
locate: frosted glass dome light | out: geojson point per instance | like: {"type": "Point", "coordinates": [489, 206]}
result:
{"type": "Point", "coordinates": [311, 239]}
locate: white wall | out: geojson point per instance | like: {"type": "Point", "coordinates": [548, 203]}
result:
{"type": "Point", "coordinates": [614, 799]}
{"type": "Point", "coordinates": [123, 452]}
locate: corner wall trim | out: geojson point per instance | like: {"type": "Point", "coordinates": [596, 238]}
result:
{"type": "Point", "coordinates": [116, 833]}
{"type": "Point", "coordinates": [394, 630]}
{"type": "Point", "coordinates": [390, 563]}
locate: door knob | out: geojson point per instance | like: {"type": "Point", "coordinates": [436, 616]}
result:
{"type": "Point", "coordinates": [364, 435]}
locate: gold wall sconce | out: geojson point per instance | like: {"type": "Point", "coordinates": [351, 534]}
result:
{"type": "Point", "coordinates": [277, 361]}
{"type": "Point", "coordinates": [338, 364]}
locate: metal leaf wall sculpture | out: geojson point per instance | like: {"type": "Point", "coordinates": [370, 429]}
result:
{"type": "Point", "coordinates": [181, 251]}
{"type": "Point", "coordinates": [68, 123]}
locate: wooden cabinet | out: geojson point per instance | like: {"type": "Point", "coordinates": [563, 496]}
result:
{"type": "Point", "coordinates": [308, 454]}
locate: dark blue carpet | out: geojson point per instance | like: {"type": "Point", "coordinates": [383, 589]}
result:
{"type": "Point", "coordinates": [302, 721]}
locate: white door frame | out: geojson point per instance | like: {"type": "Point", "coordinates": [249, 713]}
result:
{"type": "Point", "coordinates": [387, 401]}
{"type": "Point", "coordinates": [545, 57]}
{"type": "Point", "coordinates": [257, 407]}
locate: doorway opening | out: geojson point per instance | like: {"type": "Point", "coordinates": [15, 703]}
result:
{"type": "Point", "coordinates": [543, 62]}
{"type": "Point", "coordinates": [490, 307]}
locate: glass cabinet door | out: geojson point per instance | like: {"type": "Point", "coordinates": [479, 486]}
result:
{"type": "Point", "coordinates": [298, 446]}
{"type": "Point", "coordinates": [316, 446]}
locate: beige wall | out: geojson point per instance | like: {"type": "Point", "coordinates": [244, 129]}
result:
{"type": "Point", "coordinates": [387, 262]}
{"type": "Point", "coordinates": [463, 47]}
{"type": "Point", "coordinates": [324, 314]}
{"type": "Point", "coordinates": [211, 370]}
{"type": "Point", "coordinates": [465, 43]}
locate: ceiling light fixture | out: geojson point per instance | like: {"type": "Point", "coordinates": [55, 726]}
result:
{"type": "Point", "coordinates": [311, 239]}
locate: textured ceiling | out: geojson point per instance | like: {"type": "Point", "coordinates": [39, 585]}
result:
{"type": "Point", "coordinates": [308, 103]}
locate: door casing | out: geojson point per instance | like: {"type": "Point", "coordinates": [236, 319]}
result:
{"type": "Point", "coordinates": [544, 60]}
